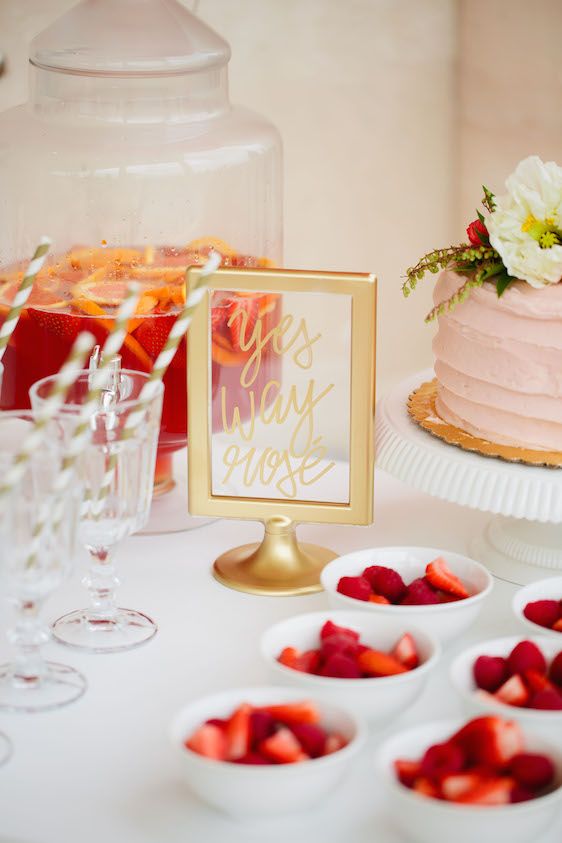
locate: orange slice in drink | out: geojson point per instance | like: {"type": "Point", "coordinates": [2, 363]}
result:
{"type": "Point", "coordinates": [204, 244]}
{"type": "Point", "coordinates": [130, 344]}
{"type": "Point", "coordinates": [87, 257]}
{"type": "Point", "coordinates": [101, 289]}
{"type": "Point", "coordinates": [41, 296]}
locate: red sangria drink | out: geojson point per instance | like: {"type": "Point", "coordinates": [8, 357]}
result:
{"type": "Point", "coordinates": [82, 289]}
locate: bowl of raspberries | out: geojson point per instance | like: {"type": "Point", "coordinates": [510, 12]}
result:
{"type": "Point", "coordinates": [538, 607]}
{"type": "Point", "coordinates": [264, 751]}
{"type": "Point", "coordinates": [374, 666]}
{"type": "Point", "coordinates": [523, 676]}
{"type": "Point", "coordinates": [440, 591]}
{"type": "Point", "coordinates": [484, 780]}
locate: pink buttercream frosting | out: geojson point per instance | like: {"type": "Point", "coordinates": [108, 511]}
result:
{"type": "Point", "coordinates": [499, 363]}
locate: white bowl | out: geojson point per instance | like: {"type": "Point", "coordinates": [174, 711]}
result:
{"type": "Point", "coordinates": [257, 791]}
{"type": "Point", "coordinates": [549, 589]}
{"type": "Point", "coordinates": [427, 820]}
{"type": "Point", "coordinates": [446, 620]}
{"type": "Point", "coordinates": [376, 699]}
{"type": "Point", "coordinates": [461, 676]}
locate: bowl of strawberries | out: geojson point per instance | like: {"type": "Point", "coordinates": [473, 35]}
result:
{"type": "Point", "coordinates": [485, 780]}
{"type": "Point", "coordinates": [374, 666]}
{"type": "Point", "coordinates": [264, 751]}
{"type": "Point", "coordinates": [538, 607]}
{"type": "Point", "coordinates": [521, 678]}
{"type": "Point", "coordinates": [441, 591]}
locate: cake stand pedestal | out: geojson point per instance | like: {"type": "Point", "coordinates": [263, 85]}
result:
{"type": "Point", "coordinates": [523, 541]}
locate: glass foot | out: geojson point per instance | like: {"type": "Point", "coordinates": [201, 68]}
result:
{"type": "Point", "coordinates": [58, 686]}
{"type": "Point", "coordinates": [86, 631]}
{"type": "Point", "coordinates": [5, 748]}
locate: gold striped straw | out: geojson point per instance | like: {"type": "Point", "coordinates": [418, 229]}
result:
{"type": "Point", "coordinates": [82, 430]}
{"type": "Point", "coordinates": [150, 388]}
{"type": "Point", "coordinates": [65, 378]}
{"type": "Point", "coordinates": [22, 294]}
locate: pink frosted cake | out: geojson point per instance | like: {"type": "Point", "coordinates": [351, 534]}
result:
{"type": "Point", "coordinates": [498, 300]}
{"type": "Point", "coordinates": [498, 363]}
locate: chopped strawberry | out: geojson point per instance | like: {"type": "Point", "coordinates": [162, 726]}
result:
{"type": "Point", "coordinates": [405, 652]}
{"type": "Point", "coordinates": [526, 656]}
{"type": "Point", "coordinates": [536, 681]}
{"type": "Point", "coordinates": [532, 771]}
{"type": "Point", "coordinates": [442, 759]}
{"type": "Point", "coordinates": [490, 672]}
{"type": "Point", "coordinates": [548, 700]}
{"type": "Point", "coordinates": [490, 740]}
{"type": "Point", "coordinates": [334, 743]}
{"type": "Point", "coordinates": [311, 737]}
{"type": "Point", "coordinates": [492, 791]}
{"type": "Point", "coordinates": [386, 581]}
{"type": "Point", "coordinates": [238, 732]}
{"type": "Point", "coordinates": [282, 747]}
{"type": "Point", "coordinates": [356, 587]}
{"type": "Point", "coordinates": [288, 656]}
{"type": "Point", "coordinates": [262, 725]}
{"type": "Point", "coordinates": [513, 692]}
{"type": "Point", "coordinates": [210, 741]}
{"type": "Point", "coordinates": [307, 662]}
{"type": "Point", "coordinates": [242, 317]}
{"type": "Point", "coordinates": [555, 670]}
{"type": "Point", "coordinates": [521, 794]}
{"type": "Point", "coordinates": [420, 593]}
{"type": "Point", "coordinates": [441, 577]}
{"type": "Point", "coordinates": [340, 666]}
{"type": "Point", "coordinates": [378, 598]}
{"type": "Point", "coordinates": [377, 663]}
{"type": "Point", "coordinates": [557, 627]}
{"type": "Point", "coordinates": [425, 787]}
{"type": "Point", "coordinates": [340, 644]}
{"type": "Point", "coordinates": [455, 785]}
{"type": "Point", "coordinates": [542, 612]}
{"type": "Point", "coordinates": [298, 712]}
{"type": "Point", "coordinates": [331, 628]}
{"type": "Point", "coordinates": [217, 721]}
{"type": "Point", "coordinates": [252, 758]}
{"type": "Point", "coordinates": [407, 771]}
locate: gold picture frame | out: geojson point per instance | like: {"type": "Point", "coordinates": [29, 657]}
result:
{"type": "Point", "coordinates": [281, 515]}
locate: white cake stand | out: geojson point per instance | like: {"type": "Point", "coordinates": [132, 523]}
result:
{"type": "Point", "coordinates": [523, 542]}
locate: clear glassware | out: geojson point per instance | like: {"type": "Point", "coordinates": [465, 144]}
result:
{"type": "Point", "coordinates": [30, 570]}
{"type": "Point", "coordinates": [107, 519]}
{"type": "Point", "coordinates": [130, 134]}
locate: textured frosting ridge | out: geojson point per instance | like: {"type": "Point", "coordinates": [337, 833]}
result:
{"type": "Point", "coordinates": [498, 363]}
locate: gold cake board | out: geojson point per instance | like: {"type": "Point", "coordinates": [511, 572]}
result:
{"type": "Point", "coordinates": [422, 410]}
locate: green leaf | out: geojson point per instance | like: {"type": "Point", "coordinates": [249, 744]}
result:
{"type": "Point", "coordinates": [502, 283]}
{"type": "Point", "coordinates": [481, 216]}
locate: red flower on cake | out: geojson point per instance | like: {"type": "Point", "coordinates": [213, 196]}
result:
{"type": "Point", "coordinates": [478, 233]}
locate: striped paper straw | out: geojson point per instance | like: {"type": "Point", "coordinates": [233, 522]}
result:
{"type": "Point", "coordinates": [81, 433]}
{"type": "Point", "coordinates": [150, 388]}
{"type": "Point", "coordinates": [22, 294]}
{"type": "Point", "coordinates": [65, 378]}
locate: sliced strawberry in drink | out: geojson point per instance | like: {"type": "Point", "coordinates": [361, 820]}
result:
{"type": "Point", "coordinates": [405, 652]}
{"type": "Point", "coordinates": [153, 332]}
{"type": "Point", "coordinates": [64, 326]}
{"type": "Point", "coordinates": [208, 740]}
{"type": "Point", "coordinates": [377, 663]}
{"type": "Point", "coordinates": [242, 317]}
{"type": "Point", "coordinates": [441, 577]}
{"type": "Point", "coordinates": [283, 747]}
{"type": "Point", "coordinates": [407, 771]}
{"type": "Point", "coordinates": [289, 713]}
{"type": "Point", "coordinates": [238, 732]}
{"type": "Point", "coordinates": [513, 692]}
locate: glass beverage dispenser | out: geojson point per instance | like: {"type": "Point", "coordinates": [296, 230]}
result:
{"type": "Point", "coordinates": [130, 157]}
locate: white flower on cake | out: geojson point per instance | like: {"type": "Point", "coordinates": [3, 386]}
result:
{"type": "Point", "coordinates": [525, 226]}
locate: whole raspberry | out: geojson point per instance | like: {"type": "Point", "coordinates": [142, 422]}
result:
{"type": "Point", "coordinates": [356, 587]}
{"type": "Point", "coordinates": [386, 581]}
{"type": "Point", "coordinates": [547, 700]}
{"type": "Point", "coordinates": [441, 760]}
{"type": "Point", "coordinates": [419, 593]}
{"type": "Point", "coordinates": [555, 672]}
{"type": "Point", "coordinates": [543, 612]}
{"type": "Point", "coordinates": [526, 656]}
{"type": "Point", "coordinates": [490, 672]}
{"type": "Point", "coordinates": [532, 771]}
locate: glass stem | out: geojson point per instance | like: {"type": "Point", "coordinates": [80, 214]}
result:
{"type": "Point", "coordinates": [102, 584]}
{"type": "Point", "coordinates": [28, 637]}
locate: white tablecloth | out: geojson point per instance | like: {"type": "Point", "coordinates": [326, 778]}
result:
{"type": "Point", "coordinates": [102, 768]}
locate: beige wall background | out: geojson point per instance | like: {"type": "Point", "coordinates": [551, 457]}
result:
{"type": "Point", "coordinates": [392, 112]}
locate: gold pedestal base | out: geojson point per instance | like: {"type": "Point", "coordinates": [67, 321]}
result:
{"type": "Point", "coordinates": [277, 566]}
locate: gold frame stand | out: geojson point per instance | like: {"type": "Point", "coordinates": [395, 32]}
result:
{"type": "Point", "coordinates": [277, 566]}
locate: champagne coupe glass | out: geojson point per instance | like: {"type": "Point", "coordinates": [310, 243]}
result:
{"type": "Point", "coordinates": [116, 472]}
{"type": "Point", "coordinates": [32, 565]}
